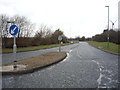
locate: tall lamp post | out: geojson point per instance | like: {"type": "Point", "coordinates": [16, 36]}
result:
{"type": "Point", "coordinates": [108, 28]}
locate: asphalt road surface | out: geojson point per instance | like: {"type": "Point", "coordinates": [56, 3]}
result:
{"type": "Point", "coordinates": [84, 67]}
{"type": "Point", "coordinates": [8, 58]}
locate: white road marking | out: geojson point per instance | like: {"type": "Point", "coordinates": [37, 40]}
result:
{"type": "Point", "coordinates": [51, 67]}
{"type": "Point", "coordinates": [102, 75]}
{"type": "Point", "coordinates": [65, 58]}
{"type": "Point", "coordinates": [99, 80]}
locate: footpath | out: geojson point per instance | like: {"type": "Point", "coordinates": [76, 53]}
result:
{"type": "Point", "coordinates": [34, 63]}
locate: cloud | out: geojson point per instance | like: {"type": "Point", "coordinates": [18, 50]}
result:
{"type": "Point", "coordinates": [83, 17]}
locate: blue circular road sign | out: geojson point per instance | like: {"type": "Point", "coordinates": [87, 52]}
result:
{"type": "Point", "coordinates": [13, 30]}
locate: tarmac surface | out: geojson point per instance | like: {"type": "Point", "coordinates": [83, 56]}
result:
{"type": "Point", "coordinates": [10, 57]}
{"type": "Point", "coordinates": [84, 67]}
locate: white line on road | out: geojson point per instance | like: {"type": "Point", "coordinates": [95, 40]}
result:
{"type": "Point", "coordinates": [102, 75]}
{"type": "Point", "coordinates": [51, 67]}
{"type": "Point", "coordinates": [65, 58]}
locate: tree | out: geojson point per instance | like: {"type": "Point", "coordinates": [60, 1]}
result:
{"type": "Point", "coordinates": [4, 28]}
{"type": "Point", "coordinates": [77, 38]}
{"type": "Point", "coordinates": [3, 25]}
{"type": "Point", "coordinates": [25, 26]}
{"type": "Point", "coordinates": [103, 37]}
{"type": "Point", "coordinates": [43, 35]}
{"type": "Point", "coordinates": [55, 35]}
{"type": "Point", "coordinates": [113, 36]}
{"type": "Point", "coordinates": [43, 32]}
{"type": "Point", "coordinates": [83, 38]}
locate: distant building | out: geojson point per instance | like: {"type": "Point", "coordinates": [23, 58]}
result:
{"type": "Point", "coordinates": [119, 15]}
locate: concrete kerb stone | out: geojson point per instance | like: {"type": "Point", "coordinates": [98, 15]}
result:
{"type": "Point", "coordinates": [33, 69]}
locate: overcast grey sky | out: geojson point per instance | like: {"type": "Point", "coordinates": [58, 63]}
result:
{"type": "Point", "coordinates": [73, 17]}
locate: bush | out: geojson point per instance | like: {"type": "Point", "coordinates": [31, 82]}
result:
{"type": "Point", "coordinates": [113, 36]}
{"type": "Point", "coordinates": [20, 42]}
{"type": "Point", "coordinates": [23, 42]}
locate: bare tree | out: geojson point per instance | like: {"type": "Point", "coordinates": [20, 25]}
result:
{"type": "Point", "coordinates": [3, 25]}
{"type": "Point", "coordinates": [29, 30]}
{"type": "Point", "coordinates": [43, 35]}
{"type": "Point", "coordinates": [25, 26]}
{"type": "Point", "coordinates": [43, 32]}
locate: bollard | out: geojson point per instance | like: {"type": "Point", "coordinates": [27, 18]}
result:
{"type": "Point", "coordinates": [15, 65]}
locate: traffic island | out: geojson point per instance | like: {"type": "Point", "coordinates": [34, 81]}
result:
{"type": "Point", "coordinates": [34, 63]}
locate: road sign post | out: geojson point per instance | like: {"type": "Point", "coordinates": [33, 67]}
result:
{"type": "Point", "coordinates": [14, 45]}
{"type": "Point", "coordinates": [59, 47]}
{"type": "Point", "coordinates": [59, 38]}
{"type": "Point", "coordinates": [13, 31]}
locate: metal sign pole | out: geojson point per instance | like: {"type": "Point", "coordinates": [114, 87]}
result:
{"type": "Point", "coordinates": [59, 39]}
{"type": "Point", "coordinates": [14, 46]}
{"type": "Point", "coordinates": [13, 31]}
{"type": "Point", "coordinates": [59, 46]}
{"type": "Point", "coordinates": [14, 51]}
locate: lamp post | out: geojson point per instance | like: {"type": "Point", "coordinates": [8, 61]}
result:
{"type": "Point", "coordinates": [108, 28]}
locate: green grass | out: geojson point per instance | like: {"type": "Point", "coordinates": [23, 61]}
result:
{"type": "Point", "coordinates": [114, 48]}
{"type": "Point", "coordinates": [33, 48]}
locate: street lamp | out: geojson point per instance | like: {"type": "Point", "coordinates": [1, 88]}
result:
{"type": "Point", "coordinates": [108, 27]}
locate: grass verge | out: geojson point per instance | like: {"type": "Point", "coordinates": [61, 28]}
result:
{"type": "Point", "coordinates": [114, 48]}
{"type": "Point", "coordinates": [33, 48]}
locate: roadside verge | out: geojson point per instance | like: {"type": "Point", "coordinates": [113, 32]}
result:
{"type": "Point", "coordinates": [34, 63]}
{"type": "Point", "coordinates": [105, 50]}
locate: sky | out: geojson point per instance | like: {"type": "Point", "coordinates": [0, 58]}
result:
{"type": "Point", "coordinates": [74, 17]}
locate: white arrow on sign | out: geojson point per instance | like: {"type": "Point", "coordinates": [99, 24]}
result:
{"type": "Point", "coordinates": [12, 31]}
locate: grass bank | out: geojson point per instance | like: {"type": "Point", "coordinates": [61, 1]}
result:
{"type": "Point", "coordinates": [9, 50]}
{"type": "Point", "coordinates": [114, 48]}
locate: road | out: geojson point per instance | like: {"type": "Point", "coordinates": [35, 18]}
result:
{"type": "Point", "coordinates": [84, 67]}
{"type": "Point", "coordinates": [8, 58]}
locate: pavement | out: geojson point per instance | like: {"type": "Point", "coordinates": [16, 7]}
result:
{"type": "Point", "coordinates": [84, 67]}
{"type": "Point", "coordinates": [10, 68]}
